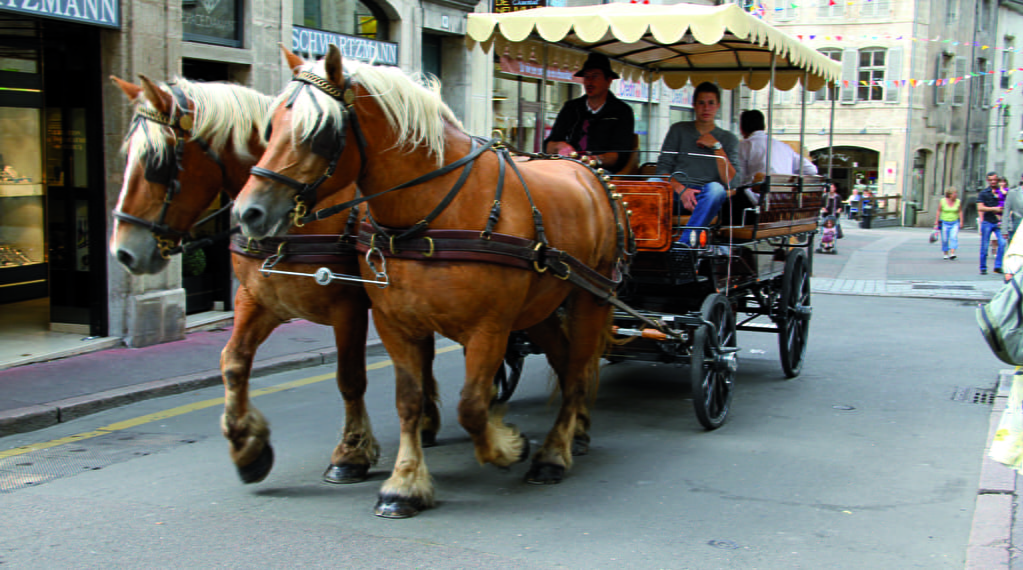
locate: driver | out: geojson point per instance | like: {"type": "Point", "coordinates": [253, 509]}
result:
{"type": "Point", "coordinates": [597, 124]}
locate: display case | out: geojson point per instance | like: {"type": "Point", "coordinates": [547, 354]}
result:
{"type": "Point", "coordinates": [23, 271]}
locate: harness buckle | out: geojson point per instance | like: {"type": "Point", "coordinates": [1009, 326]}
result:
{"type": "Point", "coordinates": [430, 253]}
{"type": "Point", "coordinates": [382, 279]}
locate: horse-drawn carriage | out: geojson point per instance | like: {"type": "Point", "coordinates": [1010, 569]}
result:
{"type": "Point", "coordinates": [755, 260]}
{"type": "Point", "coordinates": [462, 239]}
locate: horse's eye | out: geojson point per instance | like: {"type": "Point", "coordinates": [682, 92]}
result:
{"type": "Point", "coordinates": [269, 131]}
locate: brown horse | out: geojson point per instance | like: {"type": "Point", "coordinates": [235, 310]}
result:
{"type": "Point", "coordinates": [188, 141]}
{"type": "Point", "coordinates": [319, 135]}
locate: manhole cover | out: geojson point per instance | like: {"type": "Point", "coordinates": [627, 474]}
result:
{"type": "Point", "coordinates": [951, 287]}
{"type": "Point", "coordinates": [974, 395]}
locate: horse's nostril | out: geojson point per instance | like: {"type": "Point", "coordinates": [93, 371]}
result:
{"type": "Point", "coordinates": [252, 215]}
{"type": "Point", "coordinates": [126, 259]}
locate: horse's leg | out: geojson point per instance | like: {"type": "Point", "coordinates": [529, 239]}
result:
{"type": "Point", "coordinates": [586, 322]}
{"type": "Point", "coordinates": [242, 424]}
{"type": "Point", "coordinates": [409, 488]}
{"type": "Point", "coordinates": [358, 449]}
{"type": "Point", "coordinates": [495, 441]}
{"type": "Point", "coordinates": [431, 395]}
{"type": "Point", "coordinates": [550, 337]}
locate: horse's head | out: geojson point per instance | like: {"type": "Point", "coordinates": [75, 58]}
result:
{"type": "Point", "coordinates": [314, 148]}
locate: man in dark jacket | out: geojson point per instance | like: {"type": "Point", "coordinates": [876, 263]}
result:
{"type": "Point", "coordinates": [990, 211]}
{"type": "Point", "coordinates": [598, 124]}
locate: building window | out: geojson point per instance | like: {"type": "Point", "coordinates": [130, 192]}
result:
{"type": "Point", "coordinates": [344, 17]}
{"type": "Point", "coordinates": [982, 89]}
{"type": "Point", "coordinates": [1008, 62]}
{"type": "Point", "coordinates": [871, 75]}
{"type": "Point", "coordinates": [786, 12]}
{"type": "Point", "coordinates": [875, 9]}
{"type": "Point", "coordinates": [830, 93]}
{"type": "Point", "coordinates": [951, 11]}
{"type": "Point", "coordinates": [212, 22]}
{"type": "Point", "coordinates": [944, 73]}
{"type": "Point", "coordinates": [830, 9]}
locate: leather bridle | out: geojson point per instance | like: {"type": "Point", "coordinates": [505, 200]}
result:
{"type": "Point", "coordinates": [167, 168]}
{"type": "Point", "coordinates": [328, 143]}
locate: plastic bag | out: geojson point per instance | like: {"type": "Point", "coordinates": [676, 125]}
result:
{"type": "Point", "coordinates": [935, 236]}
{"type": "Point", "coordinates": [1007, 445]}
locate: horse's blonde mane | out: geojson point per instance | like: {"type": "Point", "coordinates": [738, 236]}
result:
{"type": "Point", "coordinates": [412, 105]}
{"type": "Point", "coordinates": [223, 112]}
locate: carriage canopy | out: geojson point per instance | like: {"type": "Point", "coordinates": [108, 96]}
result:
{"type": "Point", "coordinates": [677, 43]}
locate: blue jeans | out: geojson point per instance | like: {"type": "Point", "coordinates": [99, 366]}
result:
{"type": "Point", "coordinates": [708, 203]}
{"type": "Point", "coordinates": [986, 229]}
{"type": "Point", "coordinates": [949, 235]}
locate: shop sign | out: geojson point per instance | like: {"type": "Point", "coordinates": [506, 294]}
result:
{"type": "Point", "coordinates": [106, 13]}
{"type": "Point", "coordinates": [314, 43]}
{"type": "Point", "coordinates": [682, 97]}
{"type": "Point", "coordinates": [503, 6]}
{"type": "Point", "coordinates": [632, 90]}
{"type": "Point", "coordinates": [211, 21]}
{"type": "Point", "coordinates": [529, 69]}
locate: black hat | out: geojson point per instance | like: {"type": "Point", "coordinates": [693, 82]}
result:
{"type": "Point", "coordinates": [598, 61]}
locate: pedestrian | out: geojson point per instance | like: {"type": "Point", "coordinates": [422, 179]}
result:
{"type": "Point", "coordinates": [948, 220]}
{"type": "Point", "coordinates": [832, 201]}
{"type": "Point", "coordinates": [866, 209]}
{"type": "Point", "coordinates": [598, 124]}
{"type": "Point", "coordinates": [987, 205]}
{"type": "Point", "coordinates": [1012, 214]}
{"type": "Point", "coordinates": [854, 203]}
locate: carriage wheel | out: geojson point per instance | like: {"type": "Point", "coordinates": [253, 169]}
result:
{"type": "Point", "coordinates": [794, 313]}
{"type": "Point", "coordinates": [713, 374]}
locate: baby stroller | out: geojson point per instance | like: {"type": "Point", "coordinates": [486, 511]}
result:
{"type": "Point", "coordinates": [829, 236]}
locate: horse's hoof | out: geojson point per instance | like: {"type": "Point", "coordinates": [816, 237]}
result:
{"type": "Point", "coordinates": [395, 507]}
{"type": "Point", "coordinates": [258, 470]}
{"type": "Point", "coordinates": [428, 438]}
{"type": "Point", "coordinates": [346, 473]}
{"type": "Point", "coordinates": [545, 474]}
{"type": "Point", "coordinates": [580, 445]}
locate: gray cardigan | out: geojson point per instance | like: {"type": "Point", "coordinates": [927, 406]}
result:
{"type": "Point", "coordinates": [1013, 209]}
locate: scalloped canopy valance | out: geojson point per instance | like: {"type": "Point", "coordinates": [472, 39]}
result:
{"type": "Point", "coordinates": [677, 43]}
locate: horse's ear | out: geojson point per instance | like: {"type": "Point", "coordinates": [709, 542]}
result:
{"type": "Point", "coordinates": [160, 99]}
{"type": "Point", "coordinates": [294, 62]}
{"type": "Point", "coordinates": [130, 89]}
{"type": "Point", "coordinates": [332, 63]}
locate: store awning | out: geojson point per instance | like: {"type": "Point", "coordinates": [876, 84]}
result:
{"type": "Point", "coordinates": [679, 43]}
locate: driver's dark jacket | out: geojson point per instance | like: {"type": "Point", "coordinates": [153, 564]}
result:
{"type": "Point", "coordinates": [610, 130]}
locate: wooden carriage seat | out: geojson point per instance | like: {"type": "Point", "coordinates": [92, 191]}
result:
{"type": "Point", "coordinates": [785, 210]}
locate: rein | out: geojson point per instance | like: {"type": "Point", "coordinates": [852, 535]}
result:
{"type": "Point", "coordinates": [166, 173]}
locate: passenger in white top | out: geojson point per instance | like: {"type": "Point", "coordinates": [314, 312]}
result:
{"type": "Point", "coordinates": [753, 151]}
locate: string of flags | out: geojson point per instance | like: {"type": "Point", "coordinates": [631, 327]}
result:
{"type": "Point", "coordinates": [759, 9]}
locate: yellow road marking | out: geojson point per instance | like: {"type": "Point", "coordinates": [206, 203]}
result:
{"type": "Point", "coordinates": [188, 408]}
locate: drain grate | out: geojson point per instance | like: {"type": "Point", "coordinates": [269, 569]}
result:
{"type": "Point", "coordinates": [952, 287]}
{"type": "Point", "coordinates": [984, 396]}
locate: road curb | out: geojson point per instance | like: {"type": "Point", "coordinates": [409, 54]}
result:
{"type": "Point", "coordinates": [990, 544]}
{"type": "Point", "coordinates": [36, 417]}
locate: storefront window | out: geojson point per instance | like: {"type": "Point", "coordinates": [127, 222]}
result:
{"type": "Point", "coordinates": [350, 17]}
{"type": "Point", "coordinates": [212, 21]}
{"type": "Point", "coordinates": [22, 239]}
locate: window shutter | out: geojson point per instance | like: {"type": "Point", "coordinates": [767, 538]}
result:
{"type": "Point", "coordinates": [938, 99]}
{"type": "Point", "coordinates": [850, 61]}
{"type": "Point", "coordinates": [881, 8]}
{"type": "Point", "coordinates": [822, 8]}
{"type": "Point", "coordinates": [959, 89]}
{"type": "Point", "coordinates": [893, 72]}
